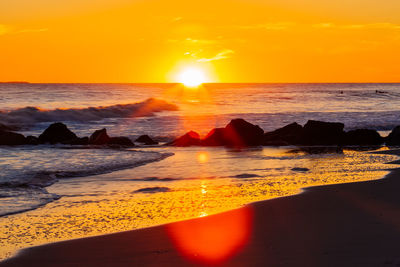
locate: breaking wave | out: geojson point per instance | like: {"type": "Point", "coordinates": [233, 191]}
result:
{"type": "Point", "coordinates": [31, 115]}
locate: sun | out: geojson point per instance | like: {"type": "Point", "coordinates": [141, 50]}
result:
{"type": "Point", "coordinates": [192, 77]}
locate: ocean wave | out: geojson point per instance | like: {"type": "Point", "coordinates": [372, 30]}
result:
{"type": "Point", "coordinates": [31, 115]}
{"type": "Point", "coordinates": [30, 171]}
{"type": "Point", "coordinates": [23, 181]}
{"type": "Point", "coordinates": [20, 199]}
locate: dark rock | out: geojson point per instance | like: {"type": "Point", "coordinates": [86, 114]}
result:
{"type": "Point", "coordinates": [238, 133]}
{"type": "Point", "coordinates": [99, 137]}
{"type": "Point", "coordinates": [318, 150]}
{"type": "Point", "coordinates": [322, 133]}
{"type": "Point", "coordinates": [122, 141]}
{"type": "Point", "coordinates": [276, 143]}
{"type": "Point", "coordinates": [56, 133]}
{"type": "Point", "coordinates": [393, 138]}
{"type": "Point", "coordinates": [216, 137]}
{"type": "Point", "coordinates": [11, 138]}
{"type": "Point", "coordinates": [77, 141]}
{"type": "Point", "coordinates": [157, 189]}
{"type": "Point", "coordinates": [242, 133]}
{"type": "Point", "coordinates": [246, 175]}
{"type": "Point", "coordinates": [8, 128]}
{"type": "Point", "coordinates": [298, 169]}
{"type": "Point", "coordinates": [189, 139]}
{"type": "Point", "coordinates": [32, 140]}
{"type": "Point", "coordinates": [146, 140]}
{"type": "Point", "coordinates": [289, 134]}
{"type": "Point", "coordinates": [363, 137]}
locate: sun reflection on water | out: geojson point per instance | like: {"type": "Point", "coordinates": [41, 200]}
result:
{"type": "Point", "coordinates": [202, 157]}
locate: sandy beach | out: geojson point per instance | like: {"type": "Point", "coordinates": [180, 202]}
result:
{"type": "Point", "coordinates": [355, 224]}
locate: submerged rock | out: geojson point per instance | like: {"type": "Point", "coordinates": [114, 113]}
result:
{"type": "Point", "coordinates": [298, 169]}
{"type": "Point", "coordinates": [189, 139]}
{"type": "Point", "coordinates": [56, 133]}
{"type": "Point", "coordinates": [11, 138]}
{"type": "Point", "coordinates": [151, 190]}
{"type": "Point", "coordinates": [363, 137]}
{"type": "Point", "coordinates": [146, 140]}
{"type": "Point", "coordinates": [275, 143]}
{"type": "Point", "coordinates": [318, 150]}
{"type": "Point", "coordinates": [99, 137]}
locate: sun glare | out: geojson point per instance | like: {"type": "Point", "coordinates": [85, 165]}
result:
{"type": "Point", "coordinates": [192, 77]}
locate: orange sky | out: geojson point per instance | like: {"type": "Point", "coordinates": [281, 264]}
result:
{"type": "Point", "coordinates": [233, 41]}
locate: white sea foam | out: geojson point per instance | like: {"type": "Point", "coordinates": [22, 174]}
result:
{"type": "Point", "coordinates": [25, 171]}
{"type": "Point", "coordinates": [32, 115]}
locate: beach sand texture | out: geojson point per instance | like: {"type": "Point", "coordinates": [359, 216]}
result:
{"type": "Point", "coordinates": [355, 224]}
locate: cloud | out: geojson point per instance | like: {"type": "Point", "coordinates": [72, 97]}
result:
{"type": "Point", "coordinates": [4, 29]}
{"type": "Point", "coordinates": [221, 55]}
{"type": "Point", "coordinates": [277, 26]}
{"type": "Point", "coordinates": [194, 41]}
{"type": "Point", "coordinates": [201, 41]}
{"type": "Point", "coordinates": [31, 30]}
{"type": "Point", "coordinates": [323, 25]}
{"type": "Point", "coordinates": [274, 26]}
{"type": "Point", "coordinates": [175, 19]}
{"type": "Point", "coordinates": [381, 25]}
{"type": "Point", "coordinates": [193, 54]}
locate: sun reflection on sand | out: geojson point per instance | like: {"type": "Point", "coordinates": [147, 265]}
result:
{"type": "Point", "coordinates": [214, 240]}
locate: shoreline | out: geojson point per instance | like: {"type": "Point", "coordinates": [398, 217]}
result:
{"type": "Point", "coordinates": [276, 241]}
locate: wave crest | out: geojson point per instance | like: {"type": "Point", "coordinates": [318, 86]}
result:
{"type": "Point", "coordinates": [30, 115]}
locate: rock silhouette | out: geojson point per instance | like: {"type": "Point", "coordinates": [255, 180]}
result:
{"type": "Point", "coordinates": [121, 141]}
{"type": "Point", "coordinates": [11, 138]}
{"type": "Point", "coordinates": [322, 133]}
{"type": "Point", "coordinates": [146, 140]}
{"type": "Point", "coordinates": [57, 133]}
{"type": "Point", "coordinates": [289, 134]}
{"type": "Point", "coordinates": [99, 137]}
{"type": "Point", "coordinates": [238, 133]}
{"type": "Point", "coordinates": [363, 137]}
{"type": "Point", "coordinates": [189, 139]}
{"type": "Point", "coordinates": [393, 138]}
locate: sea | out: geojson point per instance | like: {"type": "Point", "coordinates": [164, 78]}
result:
{"type": "Point", "coordinates": [56, 192]}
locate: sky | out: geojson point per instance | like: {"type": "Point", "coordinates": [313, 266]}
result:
{"type": "Point", "coordinates": [230, 41]}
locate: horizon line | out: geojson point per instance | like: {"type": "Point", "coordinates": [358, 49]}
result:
{"type": "Point", "coordinates": [210, 83]}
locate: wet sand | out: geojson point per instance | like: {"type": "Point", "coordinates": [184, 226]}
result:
{"type": "Point", "coordinates": [355, 224]}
